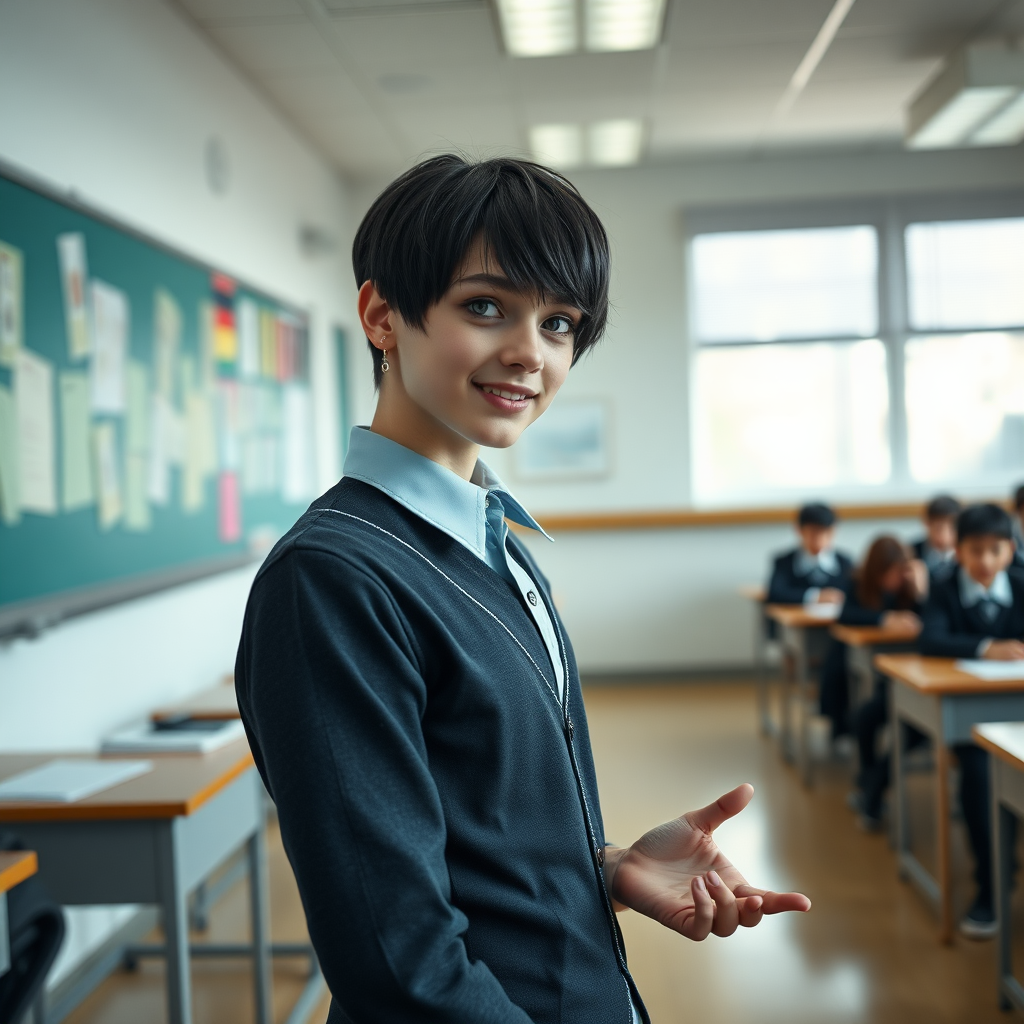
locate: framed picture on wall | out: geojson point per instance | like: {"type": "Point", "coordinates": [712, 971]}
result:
{"type": "Point", "coordinates": [570, 441]}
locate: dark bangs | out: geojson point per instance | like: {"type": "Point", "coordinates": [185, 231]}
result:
{"type": "Point", "coordinates": [533, 222]}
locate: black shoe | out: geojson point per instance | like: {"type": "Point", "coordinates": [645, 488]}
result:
{"type": "Point", "coordinates": [980, 921]}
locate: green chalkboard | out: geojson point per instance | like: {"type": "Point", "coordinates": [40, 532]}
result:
{"type": "Point", "coordinates": [180, 424]}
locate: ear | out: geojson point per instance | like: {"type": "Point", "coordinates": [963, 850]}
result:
{"type": "Point", "coordinates": [375, 314]}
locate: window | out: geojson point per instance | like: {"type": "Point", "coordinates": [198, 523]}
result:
{"type": "Point", "coordinates": [809, 378]}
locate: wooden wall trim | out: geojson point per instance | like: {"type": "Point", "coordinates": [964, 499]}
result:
{"type": "Point", "coordinates": [691, 518]}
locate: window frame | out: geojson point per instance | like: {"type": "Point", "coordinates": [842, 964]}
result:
{"type": "Point", "coordinates": [889, 215]}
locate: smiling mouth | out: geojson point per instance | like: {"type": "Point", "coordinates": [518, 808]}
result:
{"type": "Point", "coordinates": [509, 394]}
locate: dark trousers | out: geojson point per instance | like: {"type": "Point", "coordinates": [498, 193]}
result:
{"type": "Point", "coordinates": [834, 689]}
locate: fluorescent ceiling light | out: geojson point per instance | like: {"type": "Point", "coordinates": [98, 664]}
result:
{"type": "Point", "coordinates": [622, 24]}
{"type": "Point", "coordinates": [615, 143]}
{"type": "Point", "coordinates": [557, 145]}
{"type": "Point", "coordinates": [538, 28]}
{"type": "Point", "coordinates": [973, 91]}
{"type": "Point", "coordinates": [1006, 128]}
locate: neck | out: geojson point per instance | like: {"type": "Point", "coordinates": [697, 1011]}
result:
{"type": "Point", "coordinates": [400, 419]}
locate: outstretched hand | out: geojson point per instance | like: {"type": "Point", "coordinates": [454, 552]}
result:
{"type": "Point", "coordinates": [677, 875]}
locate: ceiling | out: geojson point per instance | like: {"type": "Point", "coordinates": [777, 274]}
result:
{"type": "Point", "coordinates": [375, 84]}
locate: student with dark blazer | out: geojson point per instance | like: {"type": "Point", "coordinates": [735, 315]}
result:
{"type": "Point", "coordinates": [407, 686]}
{"type": "Point", "coordinates": [937, 548]}
{"type": "Point", "coordinates": [978, 612]}
{"type": "Point", "coordinates": [888, 589]}
{"type": "Point", "coordinates": [1018, 527]}
{"type": "Point", "coordinates": [814, 572]}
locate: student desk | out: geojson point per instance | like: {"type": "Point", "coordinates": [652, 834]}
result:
{"type": "Point", "coordinates": [217, 703]}
{"type": "Point", "coordinates": [862, 643]}
{"type": "Point", "coordinates": [799, 628]}
{"type": "Point", "coordinates": [151, 840]}
{"type": "Point", "coordinates": [15, 867]}
{"type": "Point", "coordinates": [944, 703]}
{"type": "Point", "coordinates": [1005, 742]}
{"type": "Point", "coordinates": [756, 594]}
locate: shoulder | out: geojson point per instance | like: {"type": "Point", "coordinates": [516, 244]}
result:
{"type": "Point", "coordinates": [784, 559]}
{"type": "Point", "coordinates": [945, 591]}
{"type": "Point", "coordinates": [845, 561]}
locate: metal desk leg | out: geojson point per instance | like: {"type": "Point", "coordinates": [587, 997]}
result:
{"type": "Point", "coordinates": [786, 696]}
{"type": "Point", "coordinates": [944, 879]}
{"type": "Point", "coordinates": [174, 907]}
{"type": "Point", "coordinates": [899, 789]}
{"type": "Point", "coordinates": [259, 907]}
{"type": "Point", "coordinates": [1002, 821]}
{"type": "Point", "coordinates": [761, 669]}
{"type": "Point", "coordinates": [803, 699]}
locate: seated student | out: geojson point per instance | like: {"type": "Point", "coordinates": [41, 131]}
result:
{"type": "Point", "coordinates": [886, 590]}
{"type": "Point", "coordinates": [978, 612]}
{"type": "Point", "coordinates": [813, 573]}
{"type": "Point", "coordinates": [1018, 527]}
{"type": "Point", "coordinates": [937, 549]}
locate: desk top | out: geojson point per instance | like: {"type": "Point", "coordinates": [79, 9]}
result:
{"type": "Point", "coordinates": [940, 676]}
{"type": "Point", "coordinates": [797, 615]}
{"type": "Point", "coordinates": [218, 703]}
{"type": "Point", "coordinates": [177, 786]}
{"type": "Point", "coordinates": [1004, 740]}
{"type": "Point", "coordinates": [872, 636]}
{"type": "Point", "coordinates": [15, 867]}
{"type": "Point", "coordinates": [753, 592]}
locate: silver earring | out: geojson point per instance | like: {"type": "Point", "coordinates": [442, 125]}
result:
{"type": "Point", "coordinates": [384, 364]}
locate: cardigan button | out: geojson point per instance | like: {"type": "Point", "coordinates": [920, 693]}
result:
{"type": "Point", "coordinates": [532, 598]}
{"type": "Point", "coordinates": [571, 727]}
{"type": "Point", "coordinates": [600, 856]}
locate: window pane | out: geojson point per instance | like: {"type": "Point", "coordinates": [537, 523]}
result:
{"type": "Point", "coordinates": [966, 274]}
{"type": "Point", "coordinates": [770, 285]}
{"type": "Point", "coordinates": [965, 405]}
{"type": "Point", "coordinates": [789, 417]}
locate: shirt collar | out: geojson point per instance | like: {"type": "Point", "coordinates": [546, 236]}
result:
{"type": "Point", "coordinates": [971, 591]}
{"type": "Point", "coordinates": [437, 495]}
{"type": "Point", "coordinates": [805, 563]}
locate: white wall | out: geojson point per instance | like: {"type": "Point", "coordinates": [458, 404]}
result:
{"type": "Point", "coordinates": [116, 100]}
{"type": "Point", "coordinates": [665, 599]}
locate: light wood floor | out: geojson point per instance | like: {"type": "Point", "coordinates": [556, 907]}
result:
{"type": "Point", "coordinates": [867, 952]}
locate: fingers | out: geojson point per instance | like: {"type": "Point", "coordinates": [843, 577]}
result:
{"type": "Point", "coordinates": [698, 927]}
{"type": "Point", "coordinates": [727, 911]}
{"type": "Point", "coordinates": [775, 902]}
{"type": "Point", "coordinates": [707, 819]}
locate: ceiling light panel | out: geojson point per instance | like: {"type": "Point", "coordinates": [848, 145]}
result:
{"type": "Point", "coordinates": [615, 143]}
{"type": "Point", "coordinates": [611, 25]}
{"type": "Point", "coordinates": [557, 145]}
{"type": "Point", "coordinates": [955, 122]}
{"type": "Point", "coordinates": [539, 28]}
{"type": "Point", "coordinates": [1006, 128]}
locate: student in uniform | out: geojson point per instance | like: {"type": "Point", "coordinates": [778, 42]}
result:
{"type": "Point", "coordinates": [937, 548]}
{"type": "Point", "coordinates": [411, 698]}
{"type": "Point", "coordinates": [978, 612]}
{"type": "Point", "coordinates": [887, 589]}
{"type": "Point", "coordinates": [814, 572]}
{"type": "Point", "coordinates": [1018, 527]}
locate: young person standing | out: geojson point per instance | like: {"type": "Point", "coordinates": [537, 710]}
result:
{"type": "Point", "coordinates": [411, 698]}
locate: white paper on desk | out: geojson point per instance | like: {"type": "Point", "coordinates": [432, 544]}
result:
{"type": "Point", "coordinates": [110, 348]}
{"type": "Point", "coordinates": [107, 474]}
{"type": "Point", "coordinates": [77, 489]}
{"type": "Point", "coordinates": [74, 277]}
{"type": "Point", "coordinates": [11, 303]}
{"type": "Point", "coordinates": [144, 739]}
{"type": "Point", "coordinates": [823, 611]}
{"type": "Point", "coordinates": [65, 781]}
{"type": "Point", "coordinates": [10, 477]}
{"type": "Point", "coordinates": [33, 400]}
{"type": "Point", "coordinates": [992, 670]}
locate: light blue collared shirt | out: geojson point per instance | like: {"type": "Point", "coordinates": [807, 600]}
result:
{"type": "Point", "coordinates": [473, 512]}
{"type": "Point", "coordinates": [971, 591]}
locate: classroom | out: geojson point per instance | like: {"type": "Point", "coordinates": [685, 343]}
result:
{"type": "Point", "coordinates": [348, 673]}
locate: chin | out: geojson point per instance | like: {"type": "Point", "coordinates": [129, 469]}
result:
{"type": "Point", "coordinates": [498, 435]}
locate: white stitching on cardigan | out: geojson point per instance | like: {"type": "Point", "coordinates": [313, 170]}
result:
{"type": "Point", "coordinates": [484, 607]}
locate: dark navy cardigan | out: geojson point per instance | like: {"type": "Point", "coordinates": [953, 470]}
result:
{"type": "Point", "coordinates": [952, 631]}
{"type": "Point", "coordinates": [437, 804]}
{"type": "Point", "coordinates": [786, 587]}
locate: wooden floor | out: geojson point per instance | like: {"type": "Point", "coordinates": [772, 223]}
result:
{"type": "Point", "coordinates": [867, 952]}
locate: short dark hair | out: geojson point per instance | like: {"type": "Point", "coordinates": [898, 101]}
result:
{"type": "Point", "coordinates": [1018, 497]}
{"type": "Point", "coordinates": [533, 222]}
{"type": "Point", "coordinates": [817, 513]}
{"type": "Point", "coordinates": [986, 520]}
{"type": "Point", "coordinates": [942, 506]}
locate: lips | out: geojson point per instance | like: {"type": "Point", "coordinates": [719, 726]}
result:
{"type": "Point", "coordinates": [506, 397]}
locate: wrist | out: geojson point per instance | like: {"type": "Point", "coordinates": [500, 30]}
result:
{"type": "Point", "coordinates": [612, 858]}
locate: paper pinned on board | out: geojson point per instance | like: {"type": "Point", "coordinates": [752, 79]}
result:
{"type": "Point", "coordinates": [136, 421]}
{"type": "Point", "coordinates": [194, 467]}
{"type": "Point", "coordinates": [107, 472]}
{"type": "Point", "coordinates": [166, 341]}
{"type": "Point", "coordinates": [158, 481]}
{"type": "Point", "coordinates": [230, 508]}
{"type": "Point", "coordinates": [33, 400]}
{"type": "Point", "coordinates": [10, 504]}
{"type": "Point", "coordinates": [228, 420]}
{"type": "Point", "coordinates": [74, 277]}
{"type": "Point", "coordinates": [297, 417]}
{"type": "Point", "coordinates": [249, 360]}
{"type": "Point", "coordinates": [12, 302]}
{"type": "Point", "coordinates": [268, 344]}
{"type": "Point", "coordinates": [136, 503]}
{"type": "Point", "coordinates": [76, 461]}
{"type": "Point", "coordinates": [110, 348]}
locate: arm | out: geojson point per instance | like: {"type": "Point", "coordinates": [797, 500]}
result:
{"type": "Point", "coordinates": [332, 693]}
{"type": "Point", "coordinates": [784, 587]}
{"type": "Point", "coordinates": [854, 613]}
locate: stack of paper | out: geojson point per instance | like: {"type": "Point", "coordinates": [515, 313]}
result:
{"type": "Point", "coordinates": [823, 611]}
{"type": "Point", "coordinates": [993, 670]}
{"type": "Point", "coordinates": [65, 781]}
{"type": "Point", "coordinates": [202, 738]}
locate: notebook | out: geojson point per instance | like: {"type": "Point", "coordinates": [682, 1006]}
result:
{"type": "Point", "coordinates": [188, 736]}
{"type": "Point", "coordinates": [65, 781]}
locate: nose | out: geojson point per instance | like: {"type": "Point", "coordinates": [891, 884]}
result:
{"type": "Point", "coordinates": [523, 348]}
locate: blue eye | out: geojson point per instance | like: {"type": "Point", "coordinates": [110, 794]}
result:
{"type": "Point", "coordinates": [483, 307]}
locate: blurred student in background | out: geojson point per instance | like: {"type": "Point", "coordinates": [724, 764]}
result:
{"type": "Point", "coordinates": [937, 548]}
{"type": "Point", "coordinates": [978, 612]}
{"type": "Point", "coordinates": [814, 572]}
{"type": "Point", "coordinates": [1018, 526]}
{"type": "Point", "coordinates": [887, 589]}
